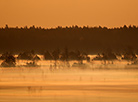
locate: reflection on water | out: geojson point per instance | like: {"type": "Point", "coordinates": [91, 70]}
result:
{"type": "Point", "coordinates": [69, 85]}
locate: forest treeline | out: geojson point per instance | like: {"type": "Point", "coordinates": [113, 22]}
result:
{"type": "Point", "coordinates": [88, 39]}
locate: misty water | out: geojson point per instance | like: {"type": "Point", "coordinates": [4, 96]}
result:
{"type": "Point", "coordinates": [116, 82]}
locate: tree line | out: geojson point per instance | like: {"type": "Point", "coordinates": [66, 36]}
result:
{"type": "Point", "coordinates": [88, 39]}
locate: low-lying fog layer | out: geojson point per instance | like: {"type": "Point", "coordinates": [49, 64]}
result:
{"type": "Point", "coordinates": [116, 82]}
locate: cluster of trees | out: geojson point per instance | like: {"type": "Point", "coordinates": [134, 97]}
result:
{"type": "Point", "coordinates": [88, 39]}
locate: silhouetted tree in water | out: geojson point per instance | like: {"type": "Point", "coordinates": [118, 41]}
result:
{"type": "Point", "coordinates": [108, 55]}
{"type": "Point", "coordinates": [48, 56]}
{"type": "Point", "coordinates": [73, 56]}
{"type": "Point", "coordinates": [129, 54]}
{"type": "Point", "coordinates": [4, 55]}
{"type": "Point", "coordinates": [65, 55]}
{"type": "Point", "coordinates": [85, 57]}
{"type": "Point", "coordinates": [25, 56]}
{"type": "Point", "coordinates": [56, 54]}
{"type": "Point", "coordinates": [79, 57]}
{"type": "Point", "coordinates": [6, 26]}
{"type": "Point", "coordinates": [9, 61]}
{"type": "Point", "coordinates": [28, 56]}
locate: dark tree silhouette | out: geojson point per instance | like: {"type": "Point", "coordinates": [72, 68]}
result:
{"type": "Point", "coordinates": [88, 39]}
{"type": "Point", "coordinates": [9, 61]}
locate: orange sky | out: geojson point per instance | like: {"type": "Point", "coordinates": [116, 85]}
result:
{"type": "Point", "coordinates": [52, 13]}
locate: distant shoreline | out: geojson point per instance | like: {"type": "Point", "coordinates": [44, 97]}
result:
{"type": "Point", "coordinates": [92, 40]}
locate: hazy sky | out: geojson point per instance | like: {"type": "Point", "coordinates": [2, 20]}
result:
{"type": "Point", "coordinates": [52, 13]}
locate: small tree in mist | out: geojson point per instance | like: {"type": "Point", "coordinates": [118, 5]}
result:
{"type": "Point", "coordinates": [56, 54]}
{"type": "Point", "coordinates": [6, 26]}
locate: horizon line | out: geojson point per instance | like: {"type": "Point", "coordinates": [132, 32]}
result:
{"type": "Point", "coordinates": [71, 26]}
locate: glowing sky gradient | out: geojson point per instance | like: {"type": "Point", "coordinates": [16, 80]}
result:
{"type": "Point", "coordinates": [52, 13]}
